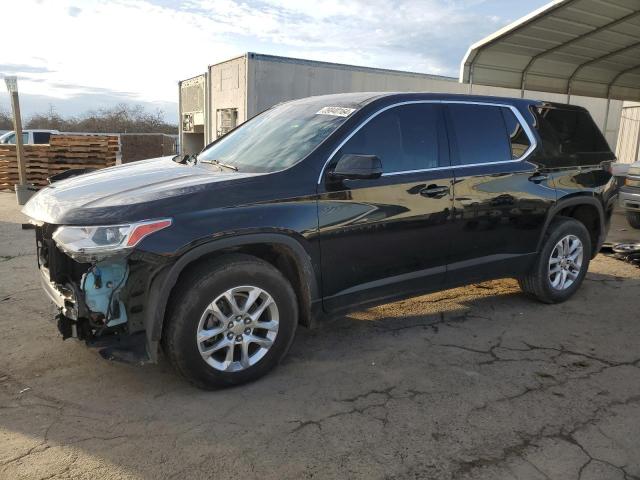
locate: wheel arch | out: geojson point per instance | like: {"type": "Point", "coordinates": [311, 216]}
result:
{"type": "Point", "coordinates": [586, 209]}
{"type": "Point", "coordinates": [282, 251]}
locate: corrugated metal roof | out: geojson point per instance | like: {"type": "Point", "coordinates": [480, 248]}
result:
{"type": "Point", "coordinates": [577, 47]}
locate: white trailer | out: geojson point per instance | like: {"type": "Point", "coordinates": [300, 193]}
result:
{"type": "Point", "coordinates": [237, 89]}
{"type": "Point", "coordinates": [192, 102]}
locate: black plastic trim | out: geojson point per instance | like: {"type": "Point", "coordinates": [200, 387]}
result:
{"type": "Point", "coordinates": [164, 282]}
{"type": "Point", "coordinates": [571, 202]}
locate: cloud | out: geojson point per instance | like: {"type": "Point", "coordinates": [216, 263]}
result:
{"type": "Point", "coordinates": [74, 11]}
{"type": "Point", "coordinates": [86, 90]}
{"type": "Point", "coordinates": [139, 49]}
{"type": "Point", "coordinates": [12, 69]}
{"type": "Point", "coordinates": [391, 34]}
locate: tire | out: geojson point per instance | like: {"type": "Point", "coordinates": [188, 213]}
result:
{"type": "Point", "coordinates": [634, 219]}
{"type": "Point", "coordinates": [192, 312]}
{"type": "Point", "coordinates": [539, 282]}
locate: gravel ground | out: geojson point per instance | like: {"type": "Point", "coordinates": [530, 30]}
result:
{"type": "Point", "coordinates": [477, 382]}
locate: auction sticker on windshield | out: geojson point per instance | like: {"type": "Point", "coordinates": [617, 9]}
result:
{"type": "Point", "coordinates": [336, 111]}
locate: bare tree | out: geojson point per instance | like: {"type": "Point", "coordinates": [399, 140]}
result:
{"type": "Point", "coordinates": [6, 120]}
{"type": "Point", "coordinates": [50, 120]}
{"type": "Point", "coordinates": [121, 118]}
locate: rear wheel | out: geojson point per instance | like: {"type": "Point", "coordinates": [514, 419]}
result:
{"type": "Point", "coordinates": [231, 321]}
{"type": "Point", "coordinates": [562, 264]}
{"type": "Point", "coordinates": [634, 219]}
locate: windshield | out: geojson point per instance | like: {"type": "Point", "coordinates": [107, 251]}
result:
{"type": "Point", "coordinates": [10, 138]}
{"type": "Point", "coordinates": [277, 138]}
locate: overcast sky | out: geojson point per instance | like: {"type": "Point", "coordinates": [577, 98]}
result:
{"type": "Point", "coordinates": [82, 54]}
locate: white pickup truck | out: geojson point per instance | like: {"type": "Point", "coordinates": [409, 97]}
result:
{"type": "Point", "coordinates": [29, 137]}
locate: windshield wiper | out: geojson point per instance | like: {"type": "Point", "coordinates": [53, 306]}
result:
{"type": "Point", "coordinates": [218, 162]}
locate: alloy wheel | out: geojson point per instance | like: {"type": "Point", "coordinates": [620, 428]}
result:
{"type": "Point", "coordinates": [237, 328]}
{"type": "Point", "coordinates": [565, 262]}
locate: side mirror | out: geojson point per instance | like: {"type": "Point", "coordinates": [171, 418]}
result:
{"type": "Point", "coordinates": [357, 167]}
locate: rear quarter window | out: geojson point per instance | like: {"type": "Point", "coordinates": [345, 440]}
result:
{"type": "Point", "coordinates": [570, 137]}
{"type": "Point", "coordinates": [40, 138]}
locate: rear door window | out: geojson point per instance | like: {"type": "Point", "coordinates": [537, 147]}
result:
{"type": "Point", "coordinates": [405, 138]}
{"type": "Point", "coordinates": [479, 133]}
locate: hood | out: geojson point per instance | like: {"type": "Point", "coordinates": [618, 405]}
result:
{"type": "Point", "coordinates": [121, 189]}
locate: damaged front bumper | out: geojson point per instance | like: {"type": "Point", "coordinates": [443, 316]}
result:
{"type": "Point", "coordinates": [63, 299]}
{"type": "Point", "coordinates": [101, 303]}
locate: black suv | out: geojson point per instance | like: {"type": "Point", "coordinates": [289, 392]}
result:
{"type": "Point", "coordinates": [317, 206]}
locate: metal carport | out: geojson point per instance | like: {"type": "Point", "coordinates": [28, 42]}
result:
{"type": "Point", "coordinates": [574, 47]}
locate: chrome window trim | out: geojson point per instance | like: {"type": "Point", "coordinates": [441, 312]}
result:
{"type": "Point", "coordinates": [525, 126]}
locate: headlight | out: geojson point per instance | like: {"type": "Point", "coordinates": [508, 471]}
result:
{"type": "Point", "coordinates": [87, 244]}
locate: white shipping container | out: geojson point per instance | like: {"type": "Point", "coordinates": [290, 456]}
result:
{"type": "Point", "coordinates": [192, 103]}
{"type": "Point", "coordinates": [240, 88]}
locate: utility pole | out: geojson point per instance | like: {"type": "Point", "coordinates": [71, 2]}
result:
{"type": "Point", "coordinates": [22, 190]}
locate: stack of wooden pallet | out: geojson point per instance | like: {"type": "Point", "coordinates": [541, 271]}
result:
{"type": "Point", "coordinates": [37, 164]}
{"type": "Point", "coordinates": [64, 152]}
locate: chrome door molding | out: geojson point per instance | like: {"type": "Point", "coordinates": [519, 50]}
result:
{"type": "Point", "coordinates": [525, 126]}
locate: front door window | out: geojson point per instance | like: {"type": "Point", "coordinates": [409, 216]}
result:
{"type": "Point", "coordinates": [405, 138]}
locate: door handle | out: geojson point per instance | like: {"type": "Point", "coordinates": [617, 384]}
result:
{"type": "Point", "coordinates": [538, 177]}
{"type": "Point", "coordinates": [434, 191]}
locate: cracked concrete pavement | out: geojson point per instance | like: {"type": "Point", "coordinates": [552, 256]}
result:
{"type": "Point", "coordinates": [473, 383]}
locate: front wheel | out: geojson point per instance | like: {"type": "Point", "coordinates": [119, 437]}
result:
{"type": "Point", "coordinates": [562, 263]}
{"type": "Point", "coordinates": [231, 321]}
